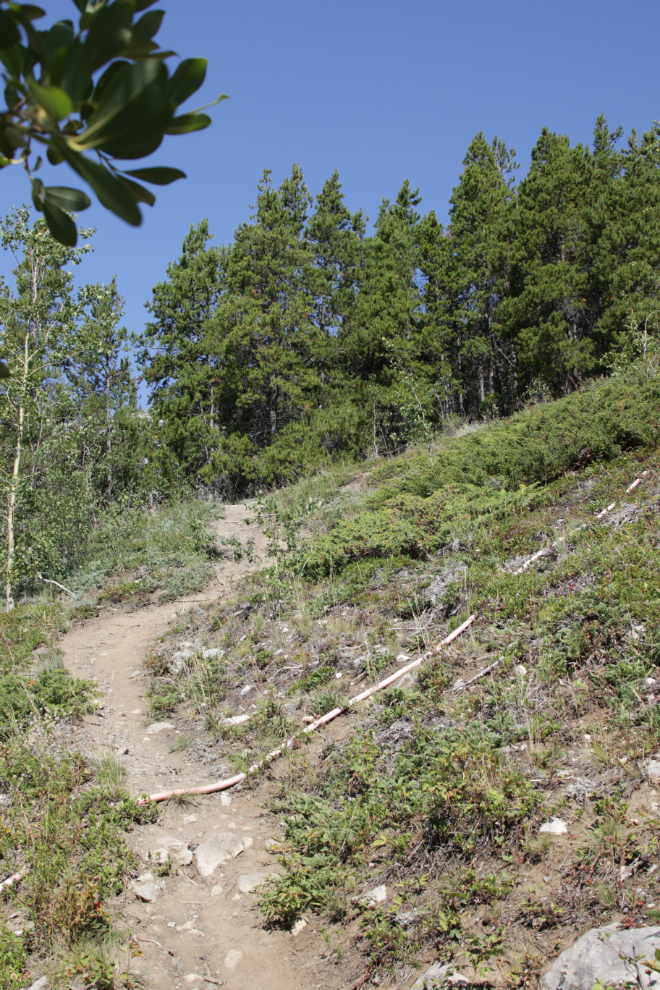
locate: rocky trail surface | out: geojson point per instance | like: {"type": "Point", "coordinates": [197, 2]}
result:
{"type": "Point", "coordinates": [197, 927]}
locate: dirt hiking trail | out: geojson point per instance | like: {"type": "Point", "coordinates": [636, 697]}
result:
{"type": "Point", "coordinates": [198, 932]}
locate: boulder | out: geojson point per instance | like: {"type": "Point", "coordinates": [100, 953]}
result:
{"type": "Point", "coordinates": [598, 956]}
{"type": "Point", "coordinates": [219, 849]}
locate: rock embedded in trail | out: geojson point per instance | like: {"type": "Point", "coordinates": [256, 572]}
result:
{"type": "Point", "coordinates": [169, 845]}
{"type": "Point", "coordinates": [219, 849]}
{"type": "Point", "coordinates": [158, 727]}
{"type": "Point", "coordinates": [250, 881]}
{"type": "Point", "coordinates": [597, 956]}
{"type": "Point", "coordinates": [147, 888]}
{"type": "Point", "coordinates": [233, 958]}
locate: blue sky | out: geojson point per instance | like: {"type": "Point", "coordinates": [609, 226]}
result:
{"type": "Point", "coordinates": [381, 91]}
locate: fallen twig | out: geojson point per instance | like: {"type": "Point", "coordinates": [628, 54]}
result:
{"type": "Point", "coordinates": [57, 584]}
{"type": "Point", "coordinates": [10, 881]}
{"type": "Point", "coordinates": [223, 785]}
{"type": "Point", "coordinates": [462, 687]}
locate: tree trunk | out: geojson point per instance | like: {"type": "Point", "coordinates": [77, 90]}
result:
{"type": "Point", "coordinates": [13, 488]}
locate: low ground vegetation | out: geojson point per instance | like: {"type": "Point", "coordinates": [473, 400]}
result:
{"type": "Point", "coordinates": [438, 794]}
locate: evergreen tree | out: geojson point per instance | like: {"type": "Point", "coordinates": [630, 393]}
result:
{"type": "Point", "coordinates": [179, 354]}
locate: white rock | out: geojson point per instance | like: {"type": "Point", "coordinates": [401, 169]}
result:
{"type": "Point", "coordinates": [554, 827]}
{"type": "Point", "coordinates": [233, 958]}
{"type": "Point", "coordinates": [187, 646]}
{"type": "Point", "coordinates": [298, 927]}
{"type": "Point", "coordinates": [213, 652]}
{"type": "Point", "coordinates": [225, 799]}
{"type": "Point", "coordinates": [272, 845]}
{"type": "Point", "coordinates": [250, 881]}
{"type": "Point", "coordinates": [653, 769]}
{"type": "Point", "coordinates": [219, 849]}
{"type": "Point", "coordinates": [216, 890]}
{"type": "Point", "coordinates": [147, 888]}
{"type": "Point", "coordinates": [437, 976]}
{"type": "Point", "coordinates": [458, 684]}
{"type": "Point", "coordinates": [189, 818]}
{"type": "Point", "coordinates": [520, 670]}
{"type": "Point", "coordinates": [236, 719]}
{"type": "Point", "coordinates": [402, 658]}
{"type": "Point", "coordinates": [158, 727]}
{"type": "Point", "coordinates": [596, 956]}
{"type": "Point", "coordinates": [650, 680]}
{"type": "Point", "coordinates": [247, 841]}
{"type": "Point", "coordinates": [41, 984]}
{"type": "Point", "coordinates": [247, 689]}
{"type": "Point", "coordinates": [338, 674]}
{"type": "Point", "coordinates": [178, 850]}
{"type": "Point", "coordinates": [376, 896]}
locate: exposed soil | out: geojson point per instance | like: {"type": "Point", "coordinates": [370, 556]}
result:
{"type": "Point", "coordinates": [196, 928]}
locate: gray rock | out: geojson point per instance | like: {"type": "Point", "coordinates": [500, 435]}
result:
{"type": "Point", "coordinates": [169, 845]}
{"type": "Point", "coordinates": [212, 653]}
{"type": "Point", "coordinates": [219, 849]}
{"type": "Point", "coordinates": [41, 984]}
{"type": "Point", "coordinates": [147, 888]}
{"type": "Point", "coordinates": [250, 881]}
{"type": "Point", "coordinates": [376, 896]}
{"type": "Point", "coordinates": [554, 827]}
{"type": "Point", "coordinates": [653, 769]}
{"type": "Point", "coordinates": [437, 975]}
{"type": "Point", "coordinates": [597, 956]}
{"type": "Point", "coordinates": [158, 727]}
{"type": "Point", "coordinates": [581, 788]}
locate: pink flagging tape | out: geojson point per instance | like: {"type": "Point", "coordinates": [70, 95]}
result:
{"type": "Point", "coordinates": [223, 785]}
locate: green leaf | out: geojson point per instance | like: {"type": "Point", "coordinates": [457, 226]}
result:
{"type": "Point", "coordinates": [60, 225]}
{"type": "Point", "coordinates": [30, 12]}
{"type": "Point", "coordinates": [159, 175]}
{"type": "Point", "coordinates": [140, 194]}
{"type": "Point", "coordinates": [54, 100]}
{"type": "Point", "coordinates": [77, 74]}
{"type": "Point", "coordinates": [134, 99]}
{"type": "Point", "coordinates": [4, 370]}
{"type": "Point", "coordinates": [188, 77]}
{"type": "Point", "coordinates": [9, 33]}
{"type": "Point", "coordinates": [187, 123]}
{"type": "Point", "coordinates": [112, 193]}
{"type": "Point", "coordinates": [148, 25]}
{"type": "Point", "coordinates": [109, 32]}
{"type": "Point", "coordinates": [38, 194]}
{"type": "Point", "coordinates": [143, 4]}
{"type": "Point", "coordinates": [66, 198]}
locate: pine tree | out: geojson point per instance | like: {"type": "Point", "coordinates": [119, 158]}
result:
{"type": "Point", "coordinates": [179, 354]}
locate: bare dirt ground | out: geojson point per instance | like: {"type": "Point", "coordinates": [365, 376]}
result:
{"type": "Point", "coordinates": [197, 933]}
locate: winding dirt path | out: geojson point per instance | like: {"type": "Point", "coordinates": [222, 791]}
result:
{"type": "Point", "coordinates": [196, 928]}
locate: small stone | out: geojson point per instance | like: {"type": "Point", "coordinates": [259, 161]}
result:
{"type": "Point", "coordinates": [225, 799]}
{"type": "Point", "coordinates": [233, 958]}
{"type": "Point", "coordinates": [308, 719]}
{"type": "Point", "coordinates": [147, 888]}
{"type": "Point", "coordinates": [298, 926]}
{"type": "Point", "coordinates": [189, 818]}
{"type": "Point", "coordinates": [212, 653]}
{"type": "Point", "coordinates": [247, 689]}
{"type": "Point", "coordinates": [236, 719]}
{"type": "Point", "coordinates": [219, 849]}
{"type": "Point", "coordinates": [653, 769]}
{"type": "Point", "coordinates": [272, 845]}
{"type": "Point", "coordinates": [459, 684]}
{"type": "Point", "coordinates": [338, 674]}
{"type": "Point", "coordinates": [376, 896]}
{"type": "Point", "coordinates": [402, 658]}
{"type": "Point", "coordinates": [41, 984]}
{"type": "Point", "coordinates": [216, 890]}
{"type": "Point", "coordinates": [520, 670]}
{"type": "Point", "coordinates": [250, 881]}
{"type": "Point", "coordinates": [650, 681]}
{"type": "Point", "coordinates": [158, 727]}
{"type": "Point", "coordinates": [247, 841]}
{"type": "Point", "coordinates": [554, 827]}
{"type": "Point", "coordinates": [122, 751]}
{"type": "Point", "coordinates": [178, 851]}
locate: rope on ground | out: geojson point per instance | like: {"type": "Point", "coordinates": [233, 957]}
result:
{"type": "Point", "coordinates": [223, 785]}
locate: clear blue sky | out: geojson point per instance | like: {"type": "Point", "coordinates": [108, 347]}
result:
{"type": "Point", "coordinates": [381, 91]}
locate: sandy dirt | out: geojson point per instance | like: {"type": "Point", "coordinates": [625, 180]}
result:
{"type": "Point", "coordinates": [197, 928]}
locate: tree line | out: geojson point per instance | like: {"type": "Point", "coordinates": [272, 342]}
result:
{"type": "Point", "coordinates": [306, 337]}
